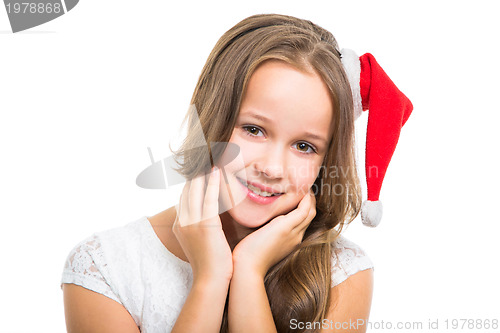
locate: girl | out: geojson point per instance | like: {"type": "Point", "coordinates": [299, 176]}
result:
{"type": "Point", "coordinates": [254, 244]}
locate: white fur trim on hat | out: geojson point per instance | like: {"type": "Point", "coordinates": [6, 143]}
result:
{"type": "Point", "coordinates": [371, 213]}
{"type": "Point", "coordinates": [352, 67]}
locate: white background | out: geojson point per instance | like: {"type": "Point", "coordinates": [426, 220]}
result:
{"type": "Point", "coordinates": [83, 96]}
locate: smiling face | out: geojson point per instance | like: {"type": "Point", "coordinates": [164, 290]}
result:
{"type": "Point", "coordinates": [283, 130]}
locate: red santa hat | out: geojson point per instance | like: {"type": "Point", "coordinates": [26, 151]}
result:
{"type": "Point", "coordinates": [388, 109]}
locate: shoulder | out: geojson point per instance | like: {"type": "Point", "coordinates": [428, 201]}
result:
{"type": "Point", "coordinates": [85, 267]}
{"type": "Point", "coordinates": [86, 278]}
{"type": "Point", "coordinates": [350, 303]}
{"type": "Point", "coordinates": [87, 263]}
{"type": "Point", "coordinates": [348, 258]}
{"type": "Point", "coordinates": [107, 263]}
{"type": "Point", "coordinates": [352, 288]}
{"type": "Point", "coordinates": [92, 246]}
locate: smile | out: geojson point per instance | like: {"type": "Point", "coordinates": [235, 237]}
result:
{"type": "Point", "coordinates": [258, 191]}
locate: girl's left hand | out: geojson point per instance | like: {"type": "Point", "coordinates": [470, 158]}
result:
{"type": "Point", "coordinates": [263, 248]}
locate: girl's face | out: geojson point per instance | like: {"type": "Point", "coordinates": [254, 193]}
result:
{"type": "Point", "coordinates": [283, 130]}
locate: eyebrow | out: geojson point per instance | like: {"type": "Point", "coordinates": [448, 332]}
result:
{"type": "Point", "coordinates": [266, 119]}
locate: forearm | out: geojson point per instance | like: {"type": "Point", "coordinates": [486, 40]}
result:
{"type": "Point", "coordinates": [203, 309]}
{"type": "Point", "coordinates": [248, 307]}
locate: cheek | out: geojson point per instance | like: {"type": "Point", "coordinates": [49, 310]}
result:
{"type": "Point", "coordinates": [248, 149]}
{"type": "Point", "coordinates": [232, 159]}
{"type": "Point", "coordinates": [302, 175]}
{"type": "Point", "coordinates": [247, 152]}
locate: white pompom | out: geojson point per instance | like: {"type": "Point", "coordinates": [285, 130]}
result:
{"type": "Point", "coordinates": [371, 213]}
{"type": "Point", "coordinates": [352, 67]}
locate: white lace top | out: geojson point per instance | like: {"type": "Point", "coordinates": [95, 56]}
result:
{"type": "Point", "coordinates": [131, 265]}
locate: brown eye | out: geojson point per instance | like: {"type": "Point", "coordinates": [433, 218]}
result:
{"type": "Point", "coordinates": [252, 130]}
{"type": "Point", "coordinates": [304, 148]}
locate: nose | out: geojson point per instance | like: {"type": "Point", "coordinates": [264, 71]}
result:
{"type": "Point", "coordinates": [272, 162]}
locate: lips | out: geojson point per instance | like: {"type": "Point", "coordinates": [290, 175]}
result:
{"type": "Point", "coordinates": [260, 189]}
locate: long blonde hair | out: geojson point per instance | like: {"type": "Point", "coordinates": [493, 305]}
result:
{"type": "Point", "coordinates": [298, 287]}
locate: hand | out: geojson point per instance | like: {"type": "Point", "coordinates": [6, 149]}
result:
{"type": "Point", "coordinates": [198, 229]}
{"type": "Point", "coordinates": [263, 248]}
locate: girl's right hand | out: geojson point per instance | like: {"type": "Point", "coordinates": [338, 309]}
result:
{"type": "Point", "coordinates": [198, 230]}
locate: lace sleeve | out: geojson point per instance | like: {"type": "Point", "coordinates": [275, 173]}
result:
{"type": "Point", "coordinates": [81, 269]}
{"type": "Point", "coordinates": [347, 259]}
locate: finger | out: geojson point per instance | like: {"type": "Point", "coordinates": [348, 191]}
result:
{"type": "Point", "coordinates": [211, 201]}
{"type": "Point", "coordinates": [310, 216]}
{"type": "Point", "coordinates": [177, 208]}
{"type": "Point", "coordinates": [299, 214]}
{"type": "Point", "coordinates": [183, 209]}
{"type": "Point", "coordinates": [306, 212]}
{"type": "Point", "coordinates": [196, 198]}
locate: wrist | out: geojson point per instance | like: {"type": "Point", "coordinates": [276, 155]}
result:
{"type": "Point", "coordinates": [211, 281]}
{"type": "Point", "coordinates": [248, 272]}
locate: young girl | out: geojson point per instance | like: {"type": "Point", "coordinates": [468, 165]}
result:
{"type": "Point", "coordinates": [254, 244]}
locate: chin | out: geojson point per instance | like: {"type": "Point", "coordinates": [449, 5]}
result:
{"type": "Point", "coordinates": [244, 219]}
{"type": "Point", "coordinates": [250, 215]}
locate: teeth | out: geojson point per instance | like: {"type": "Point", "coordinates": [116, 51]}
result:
{"type": "Point", "coordinates": [258, 191]}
